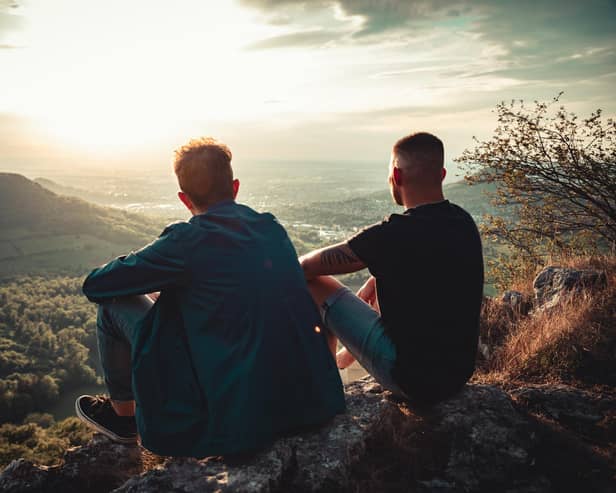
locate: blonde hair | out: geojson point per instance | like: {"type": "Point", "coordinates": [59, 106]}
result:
{"type": "Point", "coordinates": [203, 169]}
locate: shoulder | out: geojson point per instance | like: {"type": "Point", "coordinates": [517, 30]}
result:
{"type": "Point", "coordinates": [373, 233]}
{"type": "Point", "coordinates": [459, 209]}
{"type": "Point", "coordinates": [176, 230]}
{"type": "Point", "coordinates": [398, 221]}
{"type": "Point", "coordinates": [464, 223]}
{"type": "Point", "coordinates": [249, 211]}
{"type": "Point", "coordinates": [462, 213]}
{"type": "Point", "coordinates": [389, 223]}
{"type": "Point", "coordinates": [262, 217]}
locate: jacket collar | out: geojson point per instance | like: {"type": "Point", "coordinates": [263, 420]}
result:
{"type": "Point", "coordinates": [223, 204]}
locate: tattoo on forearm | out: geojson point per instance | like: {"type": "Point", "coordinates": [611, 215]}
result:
{"type": "Point", "coordinates": [338, 255]}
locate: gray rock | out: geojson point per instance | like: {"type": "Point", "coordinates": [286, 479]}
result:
{"type": "Point", "coordinates": [265, 473]}
{"type": "Point", "coordinates": [591, 413]}
{"type": "Point", "coordinates": [21, 476]}
{"type": "Point", "coordinates": [312, 461]}
{"type": "Point", "coordinates": [516, 302]}
{"type": "Point", "coordinates": [553, 282]}
{"type": "Point", "coordinates": [479, 440]}
{"type": "Point", "coordinates": [98, 467]}
{"type": "Point", "coordinates": [490, 441]}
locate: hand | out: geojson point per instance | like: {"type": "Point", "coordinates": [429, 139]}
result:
{"type": "Point", "coordinates": [368, 291]}
{"type": "Point", "coordinates": [153, 296]}
{"type": "Point", "coordinates": [344, 359]}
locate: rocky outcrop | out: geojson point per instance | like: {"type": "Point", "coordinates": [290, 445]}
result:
{"type": "Point", "coordinates": [99, 466]}
{"type": "Point", "coordinates": [517, 302]}
{"type": "Point", "coordinates": [552, 283]}
{"type": "Point", "coordinates": [550, 287]}
{"type": "Point", "coordinates": [589, 414]}
{"type": "Point", "coordinates": [483, 439]}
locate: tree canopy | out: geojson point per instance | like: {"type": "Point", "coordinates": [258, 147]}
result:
{"type": "Point", "coordinates": [555, 172]}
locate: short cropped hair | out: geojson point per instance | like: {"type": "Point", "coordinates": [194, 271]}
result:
{"type": "Point", "coordinates": [423, 153]}
{"type": "Point", "coordinates": [203, 169]}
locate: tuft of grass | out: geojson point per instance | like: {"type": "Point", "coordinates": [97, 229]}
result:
{"type": "Point", "coordinates": [41, 439]}
{"type": "Point", "coordinates": [574, 342]}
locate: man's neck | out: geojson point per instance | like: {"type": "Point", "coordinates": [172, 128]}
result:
{"type": "Point", "coordinates": [196, 212]}
{"type": "Point", "coordinates": [413, 200]}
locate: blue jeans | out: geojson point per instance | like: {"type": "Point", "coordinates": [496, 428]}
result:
{"type": "Point", "coordinates": [360, 329]}
{"type": "Point", "coordinates": [116, 326]}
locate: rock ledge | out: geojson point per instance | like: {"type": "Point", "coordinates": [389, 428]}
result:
{"type": "Point", "coordinates": [483, 439]}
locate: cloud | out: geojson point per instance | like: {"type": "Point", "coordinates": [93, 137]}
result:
{"type": "Point", "coordinates": [378, 16]}
{"type": "Point", "coordinates": [10, 20]}
{"type": "Point", "coordinates": [302, 38]}
{"type": "Point", "coordinates": [473, 102]}
{"type": "Point", "coordinates": [531, 40]}
{"type": "Point", "coordinates": [408, 71]}
{"type": "Point", "coordinates": [510, 19]}
{"type": "Point", "coordinates": [8, 4]}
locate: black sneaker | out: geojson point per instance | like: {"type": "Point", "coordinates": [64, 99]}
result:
{"type": "Point", "coordinates": [97, 412]}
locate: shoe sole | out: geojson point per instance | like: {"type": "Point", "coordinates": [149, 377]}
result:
{"type": "Point", "coordinates": [93, 424]}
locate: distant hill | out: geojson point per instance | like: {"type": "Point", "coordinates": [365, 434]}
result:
{"type": "Point", "coordinates": [43, 232]}
{"type": "Point", "coordinates": [367, 209]}
{"type": "Point", "coordinates": [473, 198]}
{"type": "Point", "coordinates": [102, 197]}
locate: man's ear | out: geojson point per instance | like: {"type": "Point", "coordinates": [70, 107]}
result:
{"type": "Point", "coordinates": [186, 201]}
{"type": "Point", "coordinates": [236, 187]}
{"type": "Point", "coordinates": [397, 175]}
{"type": "Point", "coordinates": [443, 174]}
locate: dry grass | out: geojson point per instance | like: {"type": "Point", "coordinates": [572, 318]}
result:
{"type": "Point", "coordinates": [402, 449]}
{"type": "Point", "coordinates": [573, 342]}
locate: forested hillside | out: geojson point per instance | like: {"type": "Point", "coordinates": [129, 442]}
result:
{"type": "Point", "coordinates": [47, 343]}
{"type": "Point", "coordinates": [47, 349]}
{"type": "Point", "coordinates": [48, 328]}
{"type": "Point", "coordinates": [47, 233]}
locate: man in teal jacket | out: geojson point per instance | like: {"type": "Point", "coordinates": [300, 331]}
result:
{"type": "Point", "coordinates": [228, 356]}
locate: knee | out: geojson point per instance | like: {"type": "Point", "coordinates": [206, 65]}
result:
{"type": "Point", "coordinates": [322, 287]}
{"type": "Point", "coordinates": [103, 316]}
{"type": "Point", "coordinates": [121, 315]}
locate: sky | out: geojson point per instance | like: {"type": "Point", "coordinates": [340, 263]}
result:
{"type": "Point", "coordinates": [87, 84]}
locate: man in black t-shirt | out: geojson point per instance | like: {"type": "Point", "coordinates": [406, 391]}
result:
{"type": "Point", "coordinates": [414, 324]}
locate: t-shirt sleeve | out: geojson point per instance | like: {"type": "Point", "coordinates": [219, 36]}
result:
{"type": "Point", "coordinates": [372, 246]}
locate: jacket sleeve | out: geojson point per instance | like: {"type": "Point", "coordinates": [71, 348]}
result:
{"type": "Point", "coordinates": [159, 265]}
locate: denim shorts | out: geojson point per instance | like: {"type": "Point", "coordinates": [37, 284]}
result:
{"type": "Point", "coordinates": [360, 329]}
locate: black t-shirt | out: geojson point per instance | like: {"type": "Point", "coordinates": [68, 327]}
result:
{"type": "Point", "coordinates": [428, 266]}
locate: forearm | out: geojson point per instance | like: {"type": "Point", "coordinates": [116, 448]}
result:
{"type": "Point", "coordinates": [112, 280]}
{"type": "Point", "coordinates": [336, 259]}
{"type": "Point", "coordinates": [148, 270]}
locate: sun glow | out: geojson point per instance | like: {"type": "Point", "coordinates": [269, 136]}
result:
{"type": "Point", "coordinates": [118, 76]}
{"type": "Point", "coordinates": [122, 74]}
{"type": "Point", "coordinates": [292, 80]}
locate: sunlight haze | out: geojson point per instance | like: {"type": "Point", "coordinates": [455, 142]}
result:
{"type": "Point", "coordinates": [85, 83]}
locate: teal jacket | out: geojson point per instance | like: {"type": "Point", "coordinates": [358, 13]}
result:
{"type": "Point", "coordinates": [228, 357]}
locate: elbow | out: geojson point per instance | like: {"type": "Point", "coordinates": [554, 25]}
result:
{"type": "Point", "coordinates": [306, 269]}
{"type": "Point", "coordinates": [89, 286]}
{"type": "Point", "coordinates": [86, 287]}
